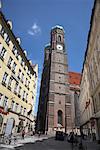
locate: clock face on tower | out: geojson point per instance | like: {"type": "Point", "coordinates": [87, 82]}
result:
{"type": "Point", "coordinates": [59, 47]}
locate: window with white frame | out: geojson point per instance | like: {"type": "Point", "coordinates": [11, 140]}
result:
{"type": "Point", "coordinates": [5, 101]}
{"type": "Point", "coordinates": [24, 112]}
{"type": "Point", "coordinates": [10, 81]}
{"type": "Point", "coordinates": [22, 78]}
{"type": "Point", "coordinates": [7, 40]}
{"type": "Point", "coordinates": [9, 62]}
{"type": "Point", "coordinates": [23, 95]}
{"type": "Point", "coordinates": [2, 53]}
{"type": "Point", "coordinates": [22, 61]}
{"type": "Point", "coordinates": [4, 80]}
{"type": "Point", "coordinates": [14, 67]}
{"type": "Point", "coordinates": [12, 105]}
{"type": "Point", "coordinates": [2, 32]}
{"type": "Point", "coordinates": [19, 91]}
{"type": "Point", "coordinates": [26, 97]}
{"type": "Point", "coordinates": [21, 109]}
{"type": "Point", "coordinates": [16, 107]}
{"type": "Point", "coordinates": [26, 82]}
{"type": "Point", "coordinates": [16, 88]}
{"type": "Point", "coordinates": [14, 49]}
{"type": "Point", "coordinates": [19, 74]}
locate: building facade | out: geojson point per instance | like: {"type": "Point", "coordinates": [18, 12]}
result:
{"type": "Point", "coordinates": [74, 83]}
{"type": "Point", "coordinates": [90, 84]}
{"type": "Point", "coordinates": [54, 103]}
{"type": "Point", "coordinates": [18, 83]}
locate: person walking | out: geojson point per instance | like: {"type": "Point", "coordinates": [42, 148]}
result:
{"type": "Point", "coordinates": [23, 134]}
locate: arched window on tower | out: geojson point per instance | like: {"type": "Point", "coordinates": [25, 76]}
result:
{"type": "Point", "coordinates": [59, 38]}
{"type": "Point", "coordinates": [60, 117]}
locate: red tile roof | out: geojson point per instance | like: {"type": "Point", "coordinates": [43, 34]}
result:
{"type": "Point", "coordinates": [74, 78]}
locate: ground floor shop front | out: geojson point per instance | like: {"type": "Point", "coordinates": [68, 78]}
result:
{"type": "Point", "coordinates": [12, 123]}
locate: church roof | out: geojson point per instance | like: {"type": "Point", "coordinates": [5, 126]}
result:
{"type": "Point", "coordinates": [74, 78]}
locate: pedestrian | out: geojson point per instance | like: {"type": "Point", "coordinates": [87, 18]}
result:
{"type": "Point", "coordinates": [39, 133]}
{"type": "Point", "coordinates": [76, 139]}
{"type": "Point", "coordinates": [72, 139]}
{"type": "Point", "coordinates": [23, 133]}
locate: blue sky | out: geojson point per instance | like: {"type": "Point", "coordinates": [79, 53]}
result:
{"type": "Point", "coordinates": [33, 20]}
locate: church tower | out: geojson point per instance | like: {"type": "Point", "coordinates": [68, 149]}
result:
{"type": "Point", "coordinates": [54, 102]}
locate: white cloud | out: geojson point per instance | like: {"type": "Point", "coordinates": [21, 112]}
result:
{"type": "Point", "coordinates": [35, 29]}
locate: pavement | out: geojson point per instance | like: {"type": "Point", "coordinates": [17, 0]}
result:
{"type": "Point", "coordinates": [34, 142]}
{"type": "Point", "coordinates": [20, 142]}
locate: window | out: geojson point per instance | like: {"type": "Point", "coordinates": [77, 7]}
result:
{"type": "Point", "coordinates": [16, 107]}
{"type": "Point", "coordinates": [26, 96]}
{"type": "Point", "coordinates": [9, 62]}
{"type": "Point", "coordinates": [22, 62]}
{"type": "Point", "coordinates": [2, 53]}
{"type": "Point", "coordinates": [26, 82]}
{"type": "Point", "coordinates": [21, 109]}
{"type": "Point", "coordinates": [19, 74]}
{"type": "Point", "coordinates": [59, 38]}
{"type": "Point", "coordinates": [5, 78]}
{"type": "Point", "coordinates": [14, 49]}
{"type": "Point", "coordinates": [10, 82]}
{"type": "Point", "coordinates": [23, 95]}
{"type": "Point", "coordinates": [22, 78]}
{"type": "Point", "coordinates": [5, 101]}
{"type": "Point", "coordinates": [7, 40]}
{"type": "Point", "coordinates": [16, 88]}
{"type": "Point", "coordinates": [12, 105]}
{"type": "Point", "coordinates": [14, 67]}
{"type": "Point", "coordinates": [19, 91]}
{"type": "Point", "coordinates": [2, 32]}
{"type": "Point", "coordinates": [60, 117]}
{"type": "Point", "coordinates": [24, 111]}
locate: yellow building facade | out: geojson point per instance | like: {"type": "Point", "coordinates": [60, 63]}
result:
{"type": "Point", "coordinates": [18, 83]}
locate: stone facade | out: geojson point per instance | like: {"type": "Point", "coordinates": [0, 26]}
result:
{"type": "Point", "coordinates": [54, 103]}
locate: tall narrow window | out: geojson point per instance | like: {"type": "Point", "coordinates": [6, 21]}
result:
{"type": "Point", "coordinates": [7, 40]}
{"type": "Point", "coordinates": [16, 88]}
{"type": "Point", "coordinates": [14, 67]}
{"type": "Point", "coordinates": [10, 82]}
{"type": "Point", "coordinates": [4, 80]}
{"type": "Point", "coordinates": [12, 105]}
{"type": "Point", "coordinates": [2, 32]}
{"type": "Point", "coordinates": [5, 102]}
{"type": "Point", "coordinates": [2, 53]}
{"type": "Point", "coordinates": [9, 62]}
{"type": "Point", "coordinates": [60, 117]}
{"type": "Point", "coordinates": [59, 38]}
